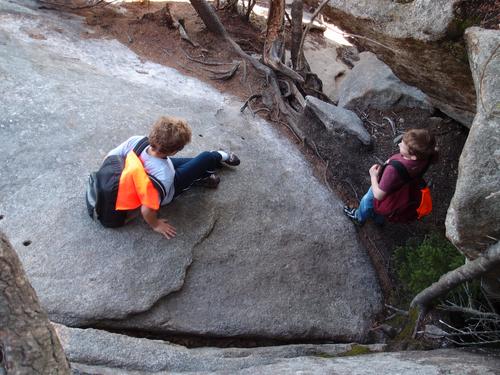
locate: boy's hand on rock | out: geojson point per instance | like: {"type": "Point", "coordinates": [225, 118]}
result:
{"type": "Point", "coordinates": [374, 170]}
{"type": "Point", "coordinates": [163, 227]}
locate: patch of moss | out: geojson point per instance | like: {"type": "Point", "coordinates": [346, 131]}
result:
{"type": "Point", "coordinates": [356, 350]}
{"type": "Point", "coordinates": [408, 328]}
{"type": "Point", "coordinates": [325, 355]}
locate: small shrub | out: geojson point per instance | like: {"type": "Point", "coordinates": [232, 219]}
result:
{"type": "Point", "coordinates": [418, 265]}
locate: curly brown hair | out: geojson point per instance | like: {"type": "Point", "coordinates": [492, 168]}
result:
{"type": "Point", "coordinates": [169, 135]}
{"type": "Point", "coordinates": [421, 143]}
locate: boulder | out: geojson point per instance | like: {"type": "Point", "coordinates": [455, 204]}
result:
{"type": "Point", "coordinates": [96, 347]}
{"type": "Point", "coordinates": [420, 40]}
{"type": "Point", "coordinates": [336, 124]}
{"type": "Point", "coordinates": [324, 60]}
{"type": "Point", "coordinates": [267, 254]}
{"type": "Point", "coordinates": [98, 352]}
{"type": "Point", "coordinates": [372, 84]}
{"type": "Point", "coordinates": [473, 219]}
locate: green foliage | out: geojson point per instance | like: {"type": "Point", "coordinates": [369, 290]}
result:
{"type": "Point", "coordinates": [418, 265]}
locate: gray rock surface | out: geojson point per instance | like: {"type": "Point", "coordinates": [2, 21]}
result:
{"type": "Point", "coordinates": [97, 348]}
{"type": "Point", "coordinates": [336, 122]}
{"type": "Point", "coordinates": [420, 40]}
{"type": "Point", "coordinates": [473, 219]}
{"type": "Point", "coordinates": [267, 254]}
{"type": "Point", "coordinates": [372, 84]}
{"type": "Point", "coordinates": [324, 61]}
{"type": "Point", "coordinates": [419, 19]}
{"type": "Point", "coordinates": [97, 352]}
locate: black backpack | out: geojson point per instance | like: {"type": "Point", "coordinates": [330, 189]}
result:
{"type": "Point", "coordinates": [102, 189]}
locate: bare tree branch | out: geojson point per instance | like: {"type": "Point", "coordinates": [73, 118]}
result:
{"type": "Point", "coordinates": [488, 260]}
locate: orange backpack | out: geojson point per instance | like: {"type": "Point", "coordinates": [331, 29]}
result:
{"type": "Point", "coordinates": [122, 184]}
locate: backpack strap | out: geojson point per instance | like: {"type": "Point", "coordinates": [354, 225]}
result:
{"type": "Point", "coordinates": [159, 187]}
{"type": "Point", "coordinates": [141, 146]}
{"type": "Point", "coordinates": [401, 169]}
{"type": "Point", "coordinates": [403, 172]}
{"type": "Point", "coordinates": [138, 149]}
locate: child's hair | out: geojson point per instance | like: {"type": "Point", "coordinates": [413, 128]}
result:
{"type": "Point", "coordinates": [421, 143]}
{"type": "Point", "coordinates": [169, 135]}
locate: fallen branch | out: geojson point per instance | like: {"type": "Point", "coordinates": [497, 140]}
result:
{"type": "Point", "coordinates": [353, 189]}
{"type": "Point", "coordinates": [487, 261]}
{"type": "Point", "coordinates": [213, 63]}
{"type": "Point", "coordinates": [247, 102]}
{"type": "Point", "coordinates": [393, 127]}
{"type": "Point", "coordinates": [469, 311]}
{"type": "Point", "coordinates": [300, 55]}
{"type": "Point", "coordinates": [397, 310]}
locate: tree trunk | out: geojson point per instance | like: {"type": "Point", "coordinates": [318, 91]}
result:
{"type": "Point", "coordinates": [297, 15]}
{"type": "Point", "coordinates": [274, 46]}
{"type": "Point", "coordinates": [469, 271]}
{"type": "Point", "coordinates": [209, 17]}
{"type": "Point", "coordinates": [28, 343]}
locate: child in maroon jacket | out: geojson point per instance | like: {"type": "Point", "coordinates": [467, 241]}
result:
{"type": "Point", "coordinates": [417, 150]}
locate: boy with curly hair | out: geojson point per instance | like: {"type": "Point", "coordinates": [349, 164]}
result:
{"type": "Point", "coordinates": [168, 136]}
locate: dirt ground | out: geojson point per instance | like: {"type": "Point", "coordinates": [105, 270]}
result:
{"type": "Point", "coordinates": [143, 29]}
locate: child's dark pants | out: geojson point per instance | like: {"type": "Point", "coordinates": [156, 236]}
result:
{"type": "Point", "coordinates": [189, 170]}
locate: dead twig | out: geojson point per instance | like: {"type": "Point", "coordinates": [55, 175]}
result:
{"type": "Point", "coordinates": [247, 102]}
{"type": "Point", "coordinates": [300, 54]}
{"type": "Point", "coordinates": [130, 39]}
{"type": "Point", "coordinates": [469, 311]}
{"type": "Point", "coordinates": [393, 126]}
{"type": "Point", "coordinates": [397, 310]}
{"type": "Point", "coordinates": [291, 129]}
{"type": "Point", "coordinates": [353, 189]}
{"type": "Point", "coordinates": [390, 317]}
{"type": "Point", "coordinates": [325, 162]}
{"type": "Point", "coordinates": [287, 16]}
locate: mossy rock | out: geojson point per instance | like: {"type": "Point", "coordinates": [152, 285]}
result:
{"type": "Point", "coordinates": [356, 350]}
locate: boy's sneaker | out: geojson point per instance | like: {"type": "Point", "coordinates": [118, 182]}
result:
{"type": "Point", "coordinates": [351, 214]}
{"type": "Point", "coordinates": [210, 182]}
{"type": "Point", "coordinates": [233, 160]}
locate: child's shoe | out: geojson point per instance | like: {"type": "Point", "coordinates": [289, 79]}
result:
{"type": "Point", "coordinates": [210, 182]}
{"type": "Point", "coordinates": [351, 214]}
{"type": "Point", "coordinates": [233, 160]}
